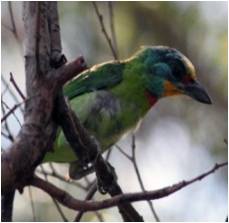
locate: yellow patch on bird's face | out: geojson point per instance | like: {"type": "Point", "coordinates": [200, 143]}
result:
{"type": "Point", "coordinates": [170, 89]}
{"type": "Point", "coordinates": [190, 68]}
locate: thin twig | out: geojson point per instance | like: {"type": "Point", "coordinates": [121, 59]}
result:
{"type": "Point", "coordinates": [134, 161]}
{"type": "Point", "coordinates": [89, 196]}
{"type": "Point", "coordinates": [13, 95]}
{"type": "Point", "coordinates": [16, 86]}
{"type": "Point", "coordinates": [62, 178]}
{"type": "Point", "coordinates": [10, 112]}
{"type": "Point", "coordinates": [6, 136]}
{"type": "Point", "coordinates": [75, 204]}
{"type": "Point", "coordinates": [100, 17]}
{"type": "Point", "coordinates": [112, 27]}
{"type": "Point", "coordinates": [108, 155]}
{"type": "Point", "coordinates": [99, 216]}
{"type": "Point", "coordinates": [15, 116]}
{"type": "Point", "coordinates": [123, 152]}
{"type": "Point", "coordinates": [32, 203]}
{"type": "Point", "coordinates": [55, 174]}
{"type": "Point", "coordinates": [6, 87]}
{"type": "Point", "coordinates": [91, 193]}
{"type": "Point", "coordinates": [14, 29]}
{"type": "Point", "coordinates": [10, 135]}
{"type": "Point", "coordinates": [53, 199]}
{"type": "Point", "coordinates": [11, 92]}
{"type": "Point", "coordinates": [7, 27]}
{"type": "Point", "coordinates": [88, 182]}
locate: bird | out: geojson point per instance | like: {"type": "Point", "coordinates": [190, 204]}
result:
{"type": "Point", "coordinates": [112, 98]}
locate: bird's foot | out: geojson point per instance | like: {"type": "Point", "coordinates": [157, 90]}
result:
{"type": "Point", "coordinates": [77, 170]}
{"type": "Point", "coordinates": [105, 182]}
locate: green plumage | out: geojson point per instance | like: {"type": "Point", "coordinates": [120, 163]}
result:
{"type": "Point", "coordinates": [111, 98]}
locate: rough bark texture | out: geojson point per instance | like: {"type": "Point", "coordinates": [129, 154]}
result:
{"type": "Point", "coordinates": [42, 86]}
{"type": "Point", "coordinates": [44, 80]}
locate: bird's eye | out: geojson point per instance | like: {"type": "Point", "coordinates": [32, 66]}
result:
{"type": "Point", "coordinates": [178, 69]}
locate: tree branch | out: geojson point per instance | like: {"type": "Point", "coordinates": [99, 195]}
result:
{"type": "Point", "coordinates": [32, 203]}
{"type": "Point", "coordinates": [89, 196]}
{"type": "Point", "coordinates": [134, 161]}
{"type": "Point", "coordinates": [7, 205]}
{"type": "Point", "coordinates": [59, 210]}
{"type": "Point", "coordinates": [75, 204]}
{"type": "Point", "coordinates": [62, 178]}
{"type": "Point", "coordinates": [100, 17]}
{"type": "Point", "coordinates": [13, 29]}
{"type": "Point", "coordinates": [10, 111]}
{"type": "Point", "coordinates": [43, 82]}
{"type": "Point", "coordinates": [16, 86]}
{"type": "Point", "coordinates": [112, 27]}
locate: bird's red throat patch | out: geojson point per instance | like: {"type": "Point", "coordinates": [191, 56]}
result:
{"type": "Point", "coordinates": [151, 98]}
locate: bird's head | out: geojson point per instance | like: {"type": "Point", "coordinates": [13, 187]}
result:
{"type": "Point", "coordinates": [168, 72]}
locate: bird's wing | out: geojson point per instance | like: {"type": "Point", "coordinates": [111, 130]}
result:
{"type": "Point", "coordinates": [100, 77]}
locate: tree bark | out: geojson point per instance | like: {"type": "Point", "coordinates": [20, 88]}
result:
{"type": "Point", "coordinates": [45, 77]}
{"type": "Point", "coordinates": [43, 83]}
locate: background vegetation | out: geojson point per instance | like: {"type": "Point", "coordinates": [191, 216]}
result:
{"type": "Point", "coordinates": [179, 138]}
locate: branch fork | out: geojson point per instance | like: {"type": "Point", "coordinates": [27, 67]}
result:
{"type": "Point", "coordinates": [44, 82]}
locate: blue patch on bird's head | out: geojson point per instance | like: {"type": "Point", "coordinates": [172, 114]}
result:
{"type": "Point", "coordinates": [164, 64]}
{"type": "Point", "coordinates": [181, 68]}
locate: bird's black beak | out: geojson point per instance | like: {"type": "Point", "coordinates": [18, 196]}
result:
{"type": "Point", "coordinates": [197, 92]}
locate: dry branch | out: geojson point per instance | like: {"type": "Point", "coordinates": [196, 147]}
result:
{"type": "Point", "coordinates": [38, 132]}
{"type": "Point", "coordinates": [16, 86]}
{"type": "Point", "coordinates": [10, 112]}
{"type": "Point", "coordinates": [44, 84]}
{"type": "Point", "coordinates": [75, 204]}
{"type": "Point", "coordinates": [103, 29]}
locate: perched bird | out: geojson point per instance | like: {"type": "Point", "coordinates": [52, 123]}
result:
{"type": "Point", "coordinates": [112, 98]}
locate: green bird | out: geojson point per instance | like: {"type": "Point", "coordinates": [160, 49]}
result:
{"type": "Point", "coordinates": [111, 99]}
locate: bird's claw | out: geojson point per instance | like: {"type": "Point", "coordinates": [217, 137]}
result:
{"type": "Point", "coordinates": [105, 184]}
{"type": "Point", "coordinates": [77, 170]}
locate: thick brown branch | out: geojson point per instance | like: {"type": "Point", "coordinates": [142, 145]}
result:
{"type": "Point", "coordinates": [67, 72]}
{"type": "Point", "coordinates": [57, 59]}
{"type": "Point", "coordinates": [7, 206]}
{"type": "Point", "coordinates": [38, 132]}
{"type": "Point", "coordinates": [43, 84]}
{"type": "Point", "coordinates": [89, 196]}
{"type": "Point", "coordinates": [69, 201]}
